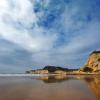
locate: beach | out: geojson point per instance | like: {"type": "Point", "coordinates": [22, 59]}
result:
{"type": "Point", "coordinates": [44, 87]}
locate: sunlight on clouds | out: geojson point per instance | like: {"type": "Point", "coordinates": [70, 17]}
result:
{"type": "Point", "coordinates": [23, 12]}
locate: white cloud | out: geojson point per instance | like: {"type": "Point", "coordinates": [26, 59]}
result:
{"type": "Point", "coordinates": [87, 38]}
{"type": "Point", "coordinates": [15, 11]}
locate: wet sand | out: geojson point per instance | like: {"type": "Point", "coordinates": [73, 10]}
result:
{"type": "Point", "coordinates": [50, 88]}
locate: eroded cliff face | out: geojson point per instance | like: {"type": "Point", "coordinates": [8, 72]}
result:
{"type": "Point", "coordinates": [94, 61]}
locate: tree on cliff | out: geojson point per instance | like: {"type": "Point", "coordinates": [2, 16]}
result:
{"type": "Point", "coordinates": [87, 69]}
{"type": "Point", "coordinates": [54, 68]}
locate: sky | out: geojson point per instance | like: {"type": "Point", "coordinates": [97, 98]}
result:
{"type": "Point", "coordinates": [35, 33]}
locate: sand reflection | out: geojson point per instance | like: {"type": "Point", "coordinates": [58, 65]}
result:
{"type": "Point", "coordinates": [53, 87]}
{"type": "Point", "coordinates": [94, 84]}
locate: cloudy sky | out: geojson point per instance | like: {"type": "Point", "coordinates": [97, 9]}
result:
{"type": "Point", "coordinates": [35, 33]}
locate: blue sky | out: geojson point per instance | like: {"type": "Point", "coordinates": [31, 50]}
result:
{"type": "Point", "coordinates": [35, 33]}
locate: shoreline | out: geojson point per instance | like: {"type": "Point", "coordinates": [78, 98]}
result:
{"type": "Point", "coordinates": [50, 74]}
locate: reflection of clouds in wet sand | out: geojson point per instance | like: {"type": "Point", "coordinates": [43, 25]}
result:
{"type": "Point", "coordinates": [34, 89]}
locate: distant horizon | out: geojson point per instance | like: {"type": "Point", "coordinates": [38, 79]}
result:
{"type": "Point", "coordinates": [24, 71]}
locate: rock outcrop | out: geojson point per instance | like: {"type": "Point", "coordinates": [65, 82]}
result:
{"type": "Point", "coordinates": [52, 69]}
{"type": "Point", "coordinates": [93, 62]}
{"type": "Point", "coordinates": [49, 70]}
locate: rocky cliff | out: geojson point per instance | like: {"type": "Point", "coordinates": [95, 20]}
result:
{"type": "Point", "coordinates": [93, 62]}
